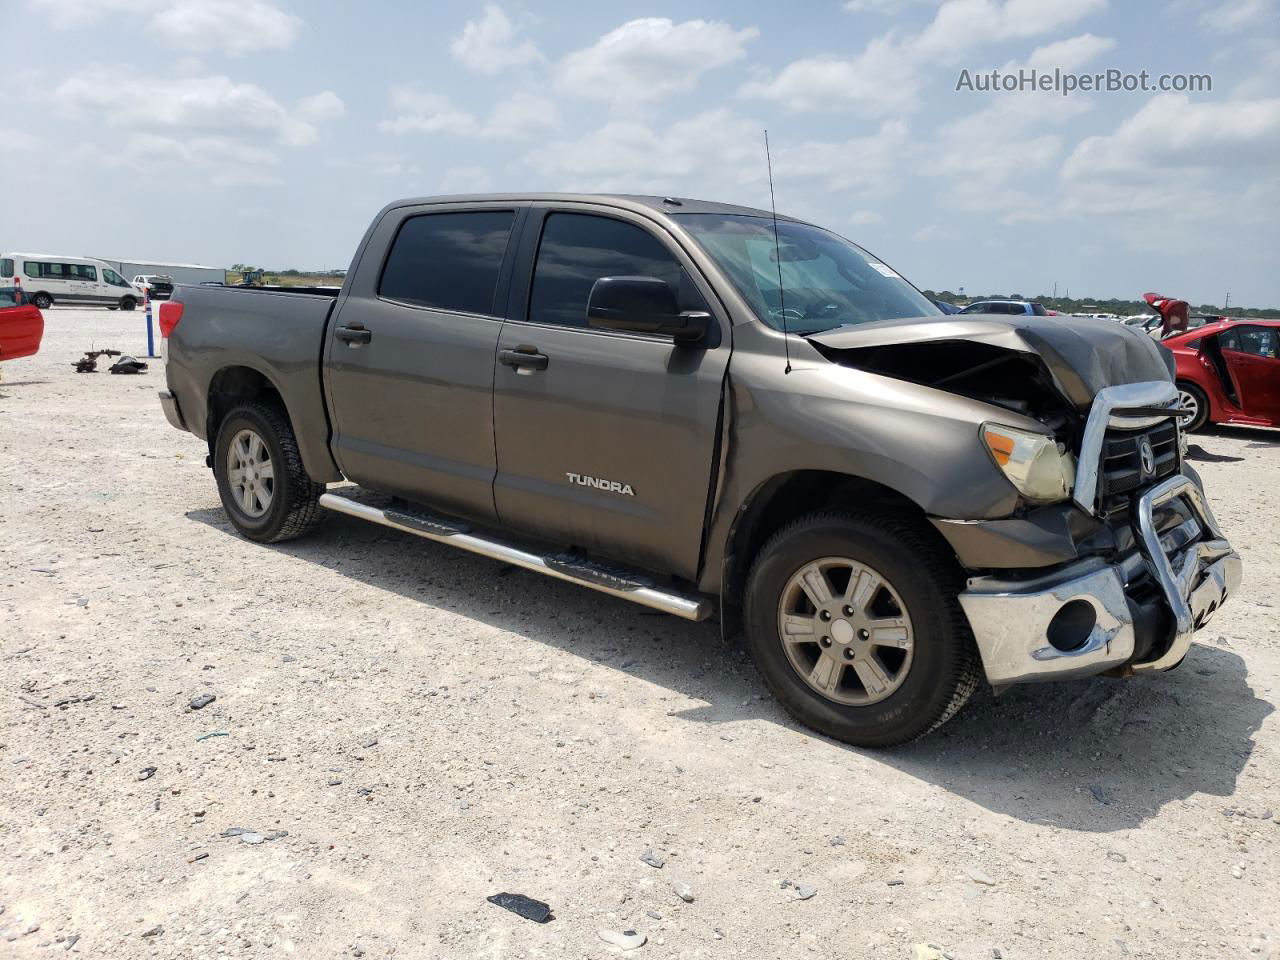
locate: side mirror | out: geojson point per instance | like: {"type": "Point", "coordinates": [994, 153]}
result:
{"type": "Point", "coordinates": [643, 305]}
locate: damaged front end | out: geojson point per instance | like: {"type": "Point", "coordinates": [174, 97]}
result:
{"type": "Point", "coordinates": [1116, 571]}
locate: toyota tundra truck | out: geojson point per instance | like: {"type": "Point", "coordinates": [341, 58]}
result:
{"type": "Point", "coordinates": [710, 411]}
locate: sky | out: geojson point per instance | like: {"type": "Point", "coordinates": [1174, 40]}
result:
{"type": "Point", "coordinates": [271, 131]}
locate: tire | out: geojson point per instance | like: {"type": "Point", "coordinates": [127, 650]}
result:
{"type": "Point", "coordinates": [112, 306]}
{"type": "Point", "coordinates": [937, 666]}
{"type": "Point", "coordinates": [127, 303]}
{"type": "Point", "coordinates": [42, 301]}
{"type": "Point", "coordinates": [291, 507]}
{"type": "Point", "coordinates": [1191, 395]}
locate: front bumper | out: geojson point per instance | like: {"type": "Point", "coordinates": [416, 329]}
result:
{"type": "Point", "coordinates": [1086, 618]}
{"type": "Point", "coordinates": [169, 404]}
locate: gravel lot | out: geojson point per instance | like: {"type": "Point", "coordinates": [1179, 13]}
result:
{"type": "Point", "coordinates": [431, 728]}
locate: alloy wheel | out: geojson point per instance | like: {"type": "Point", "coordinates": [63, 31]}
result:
{"type": "Point", "coordinates": [846, 631]}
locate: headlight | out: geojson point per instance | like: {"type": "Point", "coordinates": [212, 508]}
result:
{"type": "Point", "coordinates": [1040, 470]}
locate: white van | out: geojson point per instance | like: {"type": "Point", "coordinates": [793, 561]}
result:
{"type": "Point", "coordinates": [73, 281]}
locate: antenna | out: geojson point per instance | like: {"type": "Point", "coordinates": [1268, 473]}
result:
{"type": "Point", "coordinates": [777, 256]}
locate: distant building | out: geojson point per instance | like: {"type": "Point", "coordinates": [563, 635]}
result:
{"type": "Point", "coordinates": [181, 272]}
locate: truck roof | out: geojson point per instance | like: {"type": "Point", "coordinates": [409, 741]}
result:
{"type": "Point", "coordinates": [636, 202]}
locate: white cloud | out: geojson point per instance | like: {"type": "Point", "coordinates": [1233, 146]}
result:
{"type": "Point", "coordinates": [862, 218]}
{"type": "Point", "coordinates": [965, 25]}
{"type": "Point", "coordinates": [885, 77]}
{"type": "Point", "coordinates": [17, 141]}
{"type": "Point", "coordinates": [868, 164]}
{"type": "Point", "coordinates": [226, 162]}
{"type": "Point", "coordinates": [211, 103]}
{"type": "Point", "coordinates": [878, 82]}
{"type": "Point", "coordinates": [466, 180]}
{"type": "Point", "coordinates": [650, 59]}
{"type": "Point", "coordinates": [1071, 54]}
{"type": "Point", "coordinates": [716, 149]}
{"type": "Point", "coordinates": [235, 27]}
{"type": "Point", "coordinates": [420, 111]}
{"type": "Point", "coordinates": [989, 158]}
{"type": "Point", "coordinates": [1237, 15]}
{"type": "Point", "coordinates": [67, 14]}
{"type": "Point", "coordinates": [490, 45]}
{"type": "Point", "coordinates": [325, 105]}
{"type": "Point", "coordinates": [1170, 131]}
{"type": "Point", "coordinates": [880, 6]}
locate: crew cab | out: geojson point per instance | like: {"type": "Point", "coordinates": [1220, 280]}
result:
{"type": "Point", "coordinates": [701, 409]}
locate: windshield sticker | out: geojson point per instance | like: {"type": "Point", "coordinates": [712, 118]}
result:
{"type": "Point", "coordinates": [883, 270]}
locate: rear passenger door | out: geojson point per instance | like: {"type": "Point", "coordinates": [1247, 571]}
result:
{"type": "Point", "coordinates": [1252, 354]}
{"type": "Point", "coordinates": [607, 443]}
{"type": "Point", "coordinates": [410, 355]}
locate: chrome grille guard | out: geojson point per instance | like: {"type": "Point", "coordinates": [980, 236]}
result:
{"type": "Point", "coordinates": [1108, 411]}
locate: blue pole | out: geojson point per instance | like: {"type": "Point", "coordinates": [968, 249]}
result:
{"type": "Point", "coordinates": [151, 343]}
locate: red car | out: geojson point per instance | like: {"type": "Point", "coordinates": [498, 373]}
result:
{"type": "Point", "coordinates": [21, 326]}
{"type": "Point", "coordinates": [1229, 372]}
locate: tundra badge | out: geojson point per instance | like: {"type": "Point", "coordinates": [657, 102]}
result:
{"type": "Point", "coordinates": [611, 486]}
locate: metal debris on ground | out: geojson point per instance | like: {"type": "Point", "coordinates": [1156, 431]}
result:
{"type": "Point", "coordinates": [215, 733]}
{"type": "Point", "coordinates": [63, 704]}
{"type": "Point", "coordinates": [523, 906]}
{"type": "Point", "coordinates": [128, 364]}
{"type": "Point", "coordinates": [652, 859]}
{"type": "Point", "coordinates": [89, 362]}
{"type": "Point", "coordinates": [146, 773]}
{"type": "Point", "coordinates": [202, 701]}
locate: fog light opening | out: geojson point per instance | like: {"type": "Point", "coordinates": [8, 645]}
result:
{"type": "Point", "coordinates": [1070, 627]}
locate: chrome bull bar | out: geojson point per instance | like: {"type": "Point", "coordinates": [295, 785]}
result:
{"type": "Point", "coordinates": [1011, 621]}
{"type": "Point", "coordinates": [1206, 573]}
{"type": "Point", "coordinates": [1107, 411]}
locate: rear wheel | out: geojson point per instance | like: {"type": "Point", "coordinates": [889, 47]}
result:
{"type": "Point", "coordinates": [854, 624]}
{"type": "Point", "coordinates": [1192, 399]}
{"type": "Point", "coordinates": [42, 300]}
{"type": "Point", "coordinates": [266, 491]}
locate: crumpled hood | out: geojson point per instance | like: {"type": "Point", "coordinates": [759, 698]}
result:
{"type": "Point", "coordinates": [1083, 355]}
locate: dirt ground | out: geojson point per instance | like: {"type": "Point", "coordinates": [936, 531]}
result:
{"type": "Point", "coordinates": [405, 730]}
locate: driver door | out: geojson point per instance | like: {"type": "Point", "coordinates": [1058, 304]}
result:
{"type": "Point", "coordinates": [605, 438]}
{"type": "Point", "coordinates": [1252, 355]}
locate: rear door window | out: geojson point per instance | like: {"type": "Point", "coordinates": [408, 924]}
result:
{"type": "Point", "coordinates": [449, 261]}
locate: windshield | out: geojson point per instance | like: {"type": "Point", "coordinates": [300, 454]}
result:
{"type": "Point", "coordinates": [826, 281]}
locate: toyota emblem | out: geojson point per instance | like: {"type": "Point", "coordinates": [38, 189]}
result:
{"type": "Point", "coordinates": [1147, 456]}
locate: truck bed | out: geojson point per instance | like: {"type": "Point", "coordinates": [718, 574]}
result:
{"type": "Point", "coordinates": [276, 333]}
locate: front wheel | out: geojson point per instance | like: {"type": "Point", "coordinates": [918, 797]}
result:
{"type": "Point", "coordinates": [854, 624]}
{"type": "Point", "coordinates": [1193, 400]}
{"type": "Point", "coordinates": [127, 303]}
{"type": "Point", "coordinates": [266, 491]}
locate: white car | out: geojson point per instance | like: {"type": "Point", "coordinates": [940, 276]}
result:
{"type": "Point", "coordinates": [47, 279]}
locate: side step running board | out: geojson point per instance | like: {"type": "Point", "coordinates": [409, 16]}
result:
{"type": "Point", "coordinates": [455, 534]}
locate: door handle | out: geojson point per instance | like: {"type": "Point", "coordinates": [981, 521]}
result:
{"type": "Point", "coordinates": [524, 359]}
{"type": "Point", "coordinates": [353, 335]}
